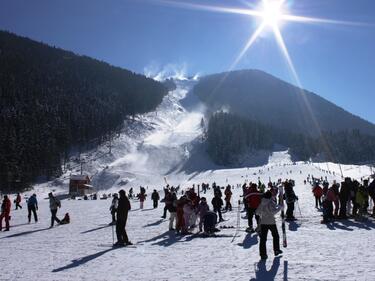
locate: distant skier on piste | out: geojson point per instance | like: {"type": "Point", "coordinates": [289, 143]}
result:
{"type": "Point", "coordinates": [122, 217]}
{"type": "Point", "coordinates": [54, 204]}
{"type": "Point", "coordinates": [32, 207]}
{"type": "Point", "coordinates": [155, 198]}
{"type": "Point", "coordinates": [17, 201]}
{"type": "Point", "coordinates": [290, 198]}
{"type": "Point", "coordinates": [266, 211]}
{"type": "Point", "coordinates": [5, 213]}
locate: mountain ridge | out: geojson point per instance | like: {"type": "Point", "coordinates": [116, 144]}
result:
{"type": "Point", "coordinates": [265, 98]}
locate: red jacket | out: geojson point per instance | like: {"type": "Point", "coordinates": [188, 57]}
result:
{"type": "Point", "coordinates": [253, 197]}
{"type": "Point", "coordinates": [5, 207]}
{"type": "Point", "coordinates": [18, 199]}
{"type": "Point", "coordinates": [318, 191]}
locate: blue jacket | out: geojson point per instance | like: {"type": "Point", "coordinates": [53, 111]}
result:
{"type": "Point", "coordinates": [32, 202]}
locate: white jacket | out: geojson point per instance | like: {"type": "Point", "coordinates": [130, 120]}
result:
{"type": "Point", "coordinates": [267, 210]}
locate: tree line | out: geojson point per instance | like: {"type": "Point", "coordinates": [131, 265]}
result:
{"type": "Point", "coordinates": [229, 135]}
{"type": "Point", "coordinates": [52, 100]}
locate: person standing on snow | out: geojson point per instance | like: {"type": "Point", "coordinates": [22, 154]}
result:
{"type": "Point", "coordinates": [32, 207]}
{"type": "Point", "coordinates": [253, 198]}
{"type": "Point", "coordinates": [122, 216]}
{"type": "Point", "coordinates": [217, 204]}
{"type": "Point", "coordinates": [113, 208]}
{"type": "Point", "coordinates": [155, 198]}
{"type": "Point", "coordinates": [54, 204]}
{"type": "Point", "coordinates": [18, 201]}
{"type": "Point", "coordinates": [290, 198]}
{"type": "Point", "coordinates": [266, 211]}
{"type": "Point", "coordinates": [202, 210]}
{"type": "Point", "coordinates": [228, 196]}
{"type": "Point", "coordinates": [171, 203]}
{"type": "Point", "coordinates": [318, 193]}
{"type": "Point", "coordinates": [142, 196]}
{"type": "Point", "coordinates": [5, 213]}
{"type": "Point", "coordinates": [371, 192]}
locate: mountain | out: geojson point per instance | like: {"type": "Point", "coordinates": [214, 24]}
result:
{"type": "Point", "coordinates": [264, 98]}
{"type": "Point", "coordinates": [52, 100]}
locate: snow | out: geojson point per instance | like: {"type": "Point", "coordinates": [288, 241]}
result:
{"type": "Point", "coordinates": [167, 143]}
{"type": "Point", "coordinates": [341, 251]}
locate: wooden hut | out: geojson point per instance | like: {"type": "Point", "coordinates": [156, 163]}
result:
{"type": "Point", "coordinates": [79, 185]}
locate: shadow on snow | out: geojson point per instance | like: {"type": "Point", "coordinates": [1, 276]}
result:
{"type": "Point", "coordinates": [262, 274]}
{"type": "Point", "coordinates": [83, 260]}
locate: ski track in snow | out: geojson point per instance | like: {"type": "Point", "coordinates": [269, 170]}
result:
{"type": "Point", "coordinates": [147, 150]}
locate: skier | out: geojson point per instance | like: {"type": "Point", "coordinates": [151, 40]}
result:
{"type": "Point", "coordinates": [188, 211]}
{"type": "Point", "coordinates": [155, 198]}
{"type": "Point", "coordinates": [328, 200]}
{"type": "Point", "coordinates": [290, 198]}
{"type": "Point", "coordinates": [131, 193]}
{"type": "Point", "coordinates": [228, 196]}
{"type": "Point", "coordinates": [18, 201]}
{"type": "Point", "coordinates": [32, 207]}
{"type": "Point", "coordinates": [5, 213]}
{"type": "Point", "coordinates": [122, 216]}
{"type": "Point", "coordinates": [142, 196]}
{"type": "Point", "coordinates": [353, 195]}
{"type": "Point", "coordinates": [202, 210]}
{"type": "Point", "coordinates": [344, 197]}
{"type": "Point", "coordinates": [166, 191]}
{"type": "Point", "coordinates": [371, 191]}
{"type": "Point", "coordinates": [180, 223]}
{"type": "Point", "coordinates": [217, 203]}
{"type": "Point", "coordinates": [253, 198]}
{"type": "Point", "coordinates": [361, 201]}
{"type": "Point", "coordinates": [54, 204]}
{"type": "Point", "coordinates": [318, 193]}
{"type": "Point", "coordinates": [267, 210]}
{"type": "Point", "coordinates": [113, 208]}
{"type": "Point", "coordinates": [170, 204]}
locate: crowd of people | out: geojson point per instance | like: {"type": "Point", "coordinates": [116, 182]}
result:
{"type": "Point", "coordinates": [341, 201]}
{"type": "Point", "coordinates": [188, 209]}
{"type": "Point", "coordinates": [32, 208]}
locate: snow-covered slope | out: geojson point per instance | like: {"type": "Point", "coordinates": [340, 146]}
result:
{"type": "Point", "coordinates": [80, 251]}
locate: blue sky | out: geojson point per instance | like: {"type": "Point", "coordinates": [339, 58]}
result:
{"type": "Point", "coordinates": [335, 61]}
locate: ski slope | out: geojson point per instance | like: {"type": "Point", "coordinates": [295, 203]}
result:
{"type": "Point", "coordinates": [80, 250]}
{"type": "Point", "coordinates": [168, 143]}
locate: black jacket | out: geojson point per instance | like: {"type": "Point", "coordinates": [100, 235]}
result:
{"type": "Point", "coordinates": [123, 208]}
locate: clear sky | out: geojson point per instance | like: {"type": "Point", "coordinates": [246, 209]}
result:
{"type": "Point", "coordinates": [335, 61]}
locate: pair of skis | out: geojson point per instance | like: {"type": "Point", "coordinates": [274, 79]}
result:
{"type": "Point", "coordinates": [281, 200]}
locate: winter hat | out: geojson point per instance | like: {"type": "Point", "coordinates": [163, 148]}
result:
{"type": "Point", "coordinates": [122, 193]}
{"type": "Point", "coordinates": [267, 195]}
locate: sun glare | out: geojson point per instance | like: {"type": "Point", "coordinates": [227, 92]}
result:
{"type": "Point", "coordinates": [271, 13]}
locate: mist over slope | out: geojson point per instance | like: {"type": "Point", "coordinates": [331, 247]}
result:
{"type": "Point", "coordinates": [262, 97]}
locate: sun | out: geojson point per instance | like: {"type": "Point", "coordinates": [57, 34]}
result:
{"type": "Point", "coordinates": [271, 13]}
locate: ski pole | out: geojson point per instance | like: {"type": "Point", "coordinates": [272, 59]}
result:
{"type": "Point", "coordinates": [113, 236]}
